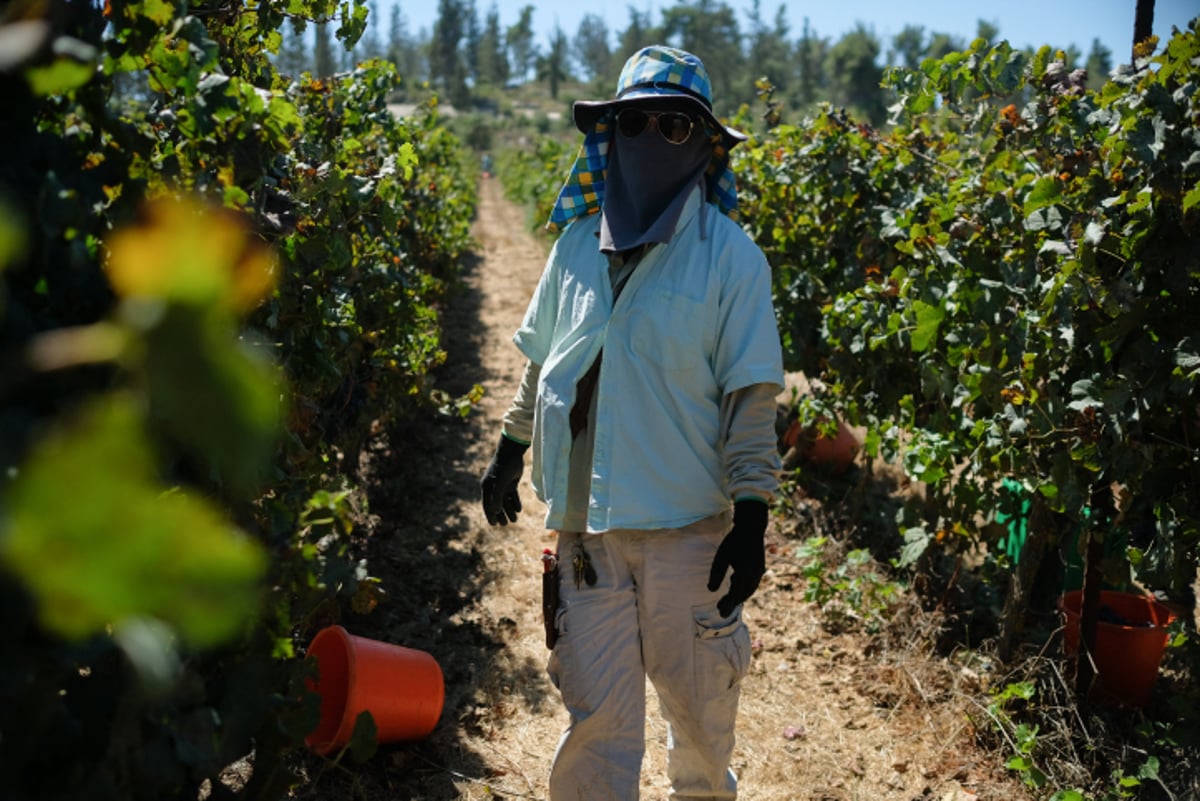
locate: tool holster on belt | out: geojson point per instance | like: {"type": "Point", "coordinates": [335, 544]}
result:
{"type": "Point", "coordinates": [550, 597]}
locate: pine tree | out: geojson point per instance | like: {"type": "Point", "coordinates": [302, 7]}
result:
{"type": "Point", "coordinates": [1099, 65]}
{"type": "Point", "coordinates": [772, 56]}
{"type": "Point", "coordinates": [446, 65]}
{"type": "Point", "coordinates": [370, 46]}
{"type": "Point", "coordinates": [908, 47]}
{"type": "Point", "coordinates": [324, 59]}
{"type": "Point", "coordinates": [471, 39]}
{"type": "Point", "coordinates": [986, 31]}
{"type": "Point", "coordinates": [401, 50]}
{"type": "Point", "coordinates": [711, 31]}
{"type": "Point", "coordinates": [493, 60]}
{"type": "Point", "coordinates": [522, 49]}
{"type": "Point", "coordinates": [293, 57]}
{"type": "Point", "coordinates": [593, 54]}
{"type": "Point", "coordinates": [810, 61]}
{"type": "Point", "coordinates": [855, 73]}
{"type": "Point", "coordinates": [553, 68]}
{"type": "Point", "coordinates": [639, 33]}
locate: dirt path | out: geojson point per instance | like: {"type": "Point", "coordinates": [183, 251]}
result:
{"type": "Point", "coordinates": [825, 716]}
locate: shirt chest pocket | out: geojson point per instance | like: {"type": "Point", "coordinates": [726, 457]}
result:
{"type": "Point", "coordinates": [671, 331]}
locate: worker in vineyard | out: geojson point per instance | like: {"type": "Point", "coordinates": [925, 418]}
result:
{"type": "Point", "coordinates": [649, 402]}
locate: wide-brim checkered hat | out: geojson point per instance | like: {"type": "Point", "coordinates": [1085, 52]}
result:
{"type": "Point", "coordinates": [665, 76]}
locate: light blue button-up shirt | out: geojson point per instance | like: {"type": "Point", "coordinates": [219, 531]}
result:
{"type": "Point", "coordinates": [693, 323]}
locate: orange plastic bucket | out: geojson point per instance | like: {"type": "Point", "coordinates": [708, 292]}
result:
{"type": "Point", "coordinates": [401, 687]}
{"type": "Point", "coordinates": [836, 453]}
{"type": "Point", "coordinates": [1127, 656]}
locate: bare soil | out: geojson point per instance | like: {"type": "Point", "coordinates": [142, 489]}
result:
{"type": "Point", "coordinates": [830, 712]}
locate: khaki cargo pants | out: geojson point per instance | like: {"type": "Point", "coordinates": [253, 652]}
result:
{"type": "Point", "coordinates": [648, 614]}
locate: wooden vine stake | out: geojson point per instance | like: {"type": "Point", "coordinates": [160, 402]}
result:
{"type": "Point", "coordinates": [1099, 520]}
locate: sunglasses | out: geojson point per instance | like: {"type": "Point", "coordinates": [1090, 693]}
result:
{"type": "Point", "coordinates": [674, 126]}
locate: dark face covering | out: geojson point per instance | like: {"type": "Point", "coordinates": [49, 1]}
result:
{"type": "Point", "coordinates": [648, 181]}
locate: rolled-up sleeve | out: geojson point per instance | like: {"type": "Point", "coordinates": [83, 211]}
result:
{"type": "Point", "coordinates": [751, 458]}
{"type": "Point", "coordinates": [518, 420]}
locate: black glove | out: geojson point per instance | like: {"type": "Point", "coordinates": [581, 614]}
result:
{"type": "Point", "coordinates": [744, 551]}
{"type": "Point", "coordinates": [501, 502]}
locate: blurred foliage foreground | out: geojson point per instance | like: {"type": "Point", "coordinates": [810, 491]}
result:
{"type": "Point", "coordinates": [213, 282]}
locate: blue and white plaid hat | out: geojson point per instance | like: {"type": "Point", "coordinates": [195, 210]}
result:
{"type": "Point", "coordinates": [658, 75]}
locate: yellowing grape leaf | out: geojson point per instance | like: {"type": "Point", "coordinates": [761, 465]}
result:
{"type": "Point", "coordinates": [98, 540]}
{"type": "Point", "coordinates": [184, 252]}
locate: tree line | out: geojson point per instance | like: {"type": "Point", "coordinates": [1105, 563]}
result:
{"type": "Point", "coordinates": [468, 56]}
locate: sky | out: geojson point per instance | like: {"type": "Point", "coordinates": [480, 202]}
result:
{"type": "Point", "coordinates": [1024, 23]}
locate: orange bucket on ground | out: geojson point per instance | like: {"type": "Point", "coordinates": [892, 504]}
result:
{"type": "Point", "coordinates": [836, 453]}
{"type": "Point", "coordinates": [1129, 643]}
{"type": "Point", "coordinates": [401, 687]}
